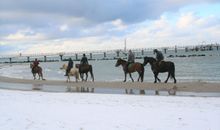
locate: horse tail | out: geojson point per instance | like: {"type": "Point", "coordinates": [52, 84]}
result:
{"type": "Point", "coordinates": [91, 72]}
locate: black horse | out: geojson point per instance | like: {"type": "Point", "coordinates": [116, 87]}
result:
{"type": "Point", "coordinates": [134, 67]}
{"type": "Point", "coordinates": [84, 69]}
{"type": "Point", "coordinates": [161, 67]}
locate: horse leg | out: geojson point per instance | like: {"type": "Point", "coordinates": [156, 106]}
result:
{"type": "Point", "coordinates": [38, 76]}
{"type": "Point", "coordinates": [92, 75]}
{"type": "Point", "coordinates": [155, 77]}
{"type": "Point", "coordinates": [68, 78]}
{"type": "Point", "coordinates": [139, 76]}
{"type": "Point", "coordinates": [81, 76]}
{"type": "Point", "coordinates": [76, 78]}
{"type": "Point", "coordinates": [125, 77]}
{"type": "Point", "coordinates": [168, 76]}
{"type": "Point", "coordinates": [86, 76]}
{"type": "Point", "coordinates": [158, 79]}
{"type": "Point", "coordinates": [131, 77]}
{"type": "Point", "coordinates": [142, 76]}
{"type": "Point", "coordinates": [173, 76]}
{"type": "Point", "coordinates": [34, 76]}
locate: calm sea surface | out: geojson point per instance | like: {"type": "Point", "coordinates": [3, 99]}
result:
{"type": "Point", "coordinates": [199, 68]}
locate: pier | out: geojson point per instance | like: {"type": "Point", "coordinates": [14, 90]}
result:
{"type": "Point", "coordinates": [176, 51]}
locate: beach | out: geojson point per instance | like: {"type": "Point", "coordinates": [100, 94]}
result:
{"type": "Point", "coordinates": [183, 86]}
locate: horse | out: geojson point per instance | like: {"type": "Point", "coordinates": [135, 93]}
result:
{"type": "Point", "coordinates": [36, 70]}
{"type": "Point", "coordinates": [133, 67]}
{"type": "Point", "coordinates": [161, 67]}
{"type": "Point", "coordinates": [73, 72]}
{"type": "Point", "coordinates": [84, 69]}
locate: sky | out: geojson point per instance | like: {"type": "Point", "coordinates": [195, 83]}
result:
{"type": "Point", "coordinates": [53, 26]}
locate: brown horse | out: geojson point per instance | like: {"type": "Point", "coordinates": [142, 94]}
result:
{"type": "Point", "coordinates": [134, 67]}
{"type": "Point", "coordinates": [84, 69]}
{"type": "Point", "coordinates": [161, 67]}
{"type": "Point", "coordinates": [36, 70]}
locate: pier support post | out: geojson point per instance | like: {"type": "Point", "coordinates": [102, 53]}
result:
{"type": "Point", "coordinates": [90, 55]}
{"type": "Point", "coordinates": [217, 47]}
{"type": "Point", "coordinates": [61, 57]}
{"type": "Point", "coordinates": [186, 49]}
{"type": "Point", "coordinates": [117, 53]}
{"type": "Point", "coordinates": [142, 52]}
{"type": "Point", "coordinates": [45, 58]}
{"type": "Point", "coordinates": [28, 59]}
{"type": "Point", "coordinates": [165, 50]}
{"type": "Point", "coordinates": [104, 54]}
{"type": "Point", "coordinates": [175, 49]}
{"type": "Point", "coordinates": [10, 60]}
{"type": "Point", "coordinates": [76, 55]}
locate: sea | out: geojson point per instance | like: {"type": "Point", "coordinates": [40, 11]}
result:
{"type": "Point", "coordinates": [198, 66]}
{"type": "Point", "coordinates": [191, 66]}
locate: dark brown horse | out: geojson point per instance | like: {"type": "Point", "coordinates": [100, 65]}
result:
{"type": "Point", "coordinates": [133, 67]}
{"type": "Point", "coordinates": [161, 67]}
{"type": "Point", "coordinates": [36, 70]}
{"type": "Point", "coordinates": [84, 69]}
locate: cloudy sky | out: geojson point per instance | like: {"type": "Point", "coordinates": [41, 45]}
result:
{"type": "Point", "coordinates": [42, 26]}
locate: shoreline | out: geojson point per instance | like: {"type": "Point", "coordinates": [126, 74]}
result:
{"type": "Point", "coordinates": [178, 87]}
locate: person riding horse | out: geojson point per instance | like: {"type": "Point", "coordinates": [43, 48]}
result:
{"type": "Point", "coordinates": [84, 60]}
{"type": "Point", "coordinates": [70, 66]}
{"type": "Point", "coordinates": [159, 56]}
{"type": "Point", "coordinates": [35, 64]}
{"type": "Point", "coordinates": [131, 58]}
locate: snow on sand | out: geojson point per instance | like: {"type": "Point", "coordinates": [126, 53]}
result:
{"type": "Point", "coordinates": [23, 110]}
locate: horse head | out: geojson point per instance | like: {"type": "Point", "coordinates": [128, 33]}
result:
{"type": "Point", "coordinates": [31, 65]}
{"type": "Point", "coordinates": [64, 66]}
{"type": "Point", "coordinates": [148, 60]}
{"type": "Point", "coordinates": [77, 65]}
{"type": "Point", "coordinates": [119, 62]}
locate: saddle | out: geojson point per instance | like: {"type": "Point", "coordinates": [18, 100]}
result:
{"type": "Point", "coordinates": [130, 65]}
{"type": "Point", "coordinates": [160, 64]}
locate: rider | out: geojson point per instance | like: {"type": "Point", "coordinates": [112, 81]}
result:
{"type": "Point", "coordinates": [69, 67]}
{"type": "Point", "coordinates": [84, 60]}
{"type": "Point", "coordinates": [35, 64]}
{"type": "Point", "coordinates": [159, 56]}
{"type": "Point", "coordinates": [131, 58]}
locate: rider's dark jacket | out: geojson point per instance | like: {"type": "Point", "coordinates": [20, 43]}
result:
{"type": "Point", "coordinates": [159, 56]}
{"type": "Point", "coordinates": [84, 60]}
{"type": "Point", "coordinates": [70, 64]}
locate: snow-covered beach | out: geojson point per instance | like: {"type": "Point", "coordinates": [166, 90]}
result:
{"type": "Point", "coordinates": [22, 110]}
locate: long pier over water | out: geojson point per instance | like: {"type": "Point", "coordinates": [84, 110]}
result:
{"type": "Point", "coordinates": [109, 54]}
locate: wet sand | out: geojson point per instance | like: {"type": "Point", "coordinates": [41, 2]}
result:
{"type": "Point", "coordinates": [183, 86]}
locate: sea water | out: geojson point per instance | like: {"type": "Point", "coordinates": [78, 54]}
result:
{"type": "Point", "coordinates": [187, 69]}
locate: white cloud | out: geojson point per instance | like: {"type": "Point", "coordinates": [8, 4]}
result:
{"type": "Point", "coordinates": [119, 24]}
{"type": "Point", "coordinates": [64, 28]}
{"type": "Point", "coordinates": [25, 35]}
